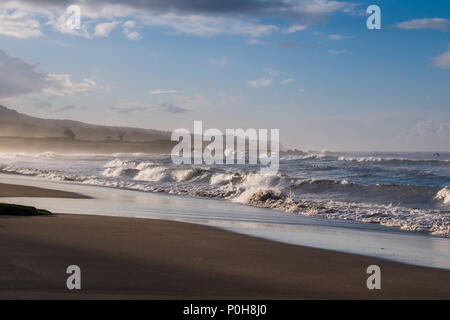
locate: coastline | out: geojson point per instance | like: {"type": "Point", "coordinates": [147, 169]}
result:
{"type": "Point", "coordinates": [365, 239]}
{"type": "Point", "coordinates": [134, 258]}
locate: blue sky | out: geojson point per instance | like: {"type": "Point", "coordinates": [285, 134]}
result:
{"type": "Point", "coordinates": [308, 67]}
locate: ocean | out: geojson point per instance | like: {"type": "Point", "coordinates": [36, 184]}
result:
{"type": "Point", "coordinates": [410, 191]}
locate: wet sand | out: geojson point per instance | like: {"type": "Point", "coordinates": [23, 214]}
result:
{"type": "Point", "coordinates": [12, 190]}
{"type": "Point", "coordinates": [128, 258]}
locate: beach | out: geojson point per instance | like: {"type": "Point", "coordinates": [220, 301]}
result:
{"type": "Point", "coordinates": [12, 190]}
{"type": "Point", "coordinates": [129, 258]}
{"type": "Point", "coordinates": [230, 150]}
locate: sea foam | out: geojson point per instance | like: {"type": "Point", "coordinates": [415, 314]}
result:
{"type": "Point", "coordinates": [444, 195]}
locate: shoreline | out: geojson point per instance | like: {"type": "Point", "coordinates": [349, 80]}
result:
{"type": "Point", "coordinates": [134, 258]}
{"type": "Point", "coordinates": [340, 236]}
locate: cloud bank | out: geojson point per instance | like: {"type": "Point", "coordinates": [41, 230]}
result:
{"type": "Point", "coordinates": [427, 23]}
{"type": "Point", "coordinates": [18, 77]}
{"type": "Point", "coordinates": [29, 18]}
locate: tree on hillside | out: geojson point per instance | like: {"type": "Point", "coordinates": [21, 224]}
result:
{"type": "Point", "coordinates": [69, 134]}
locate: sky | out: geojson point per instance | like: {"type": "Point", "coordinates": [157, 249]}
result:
{"type": "Point", "coordinates": [310, 68]}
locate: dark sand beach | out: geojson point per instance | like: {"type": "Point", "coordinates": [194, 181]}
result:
{"type": "Point", "coordinates": [145, 259]}
{"type": "Point", "coordinates": [12, 190]}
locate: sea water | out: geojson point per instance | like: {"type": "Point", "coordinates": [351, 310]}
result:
{"type": "Point", "coordinates": [409, 191]}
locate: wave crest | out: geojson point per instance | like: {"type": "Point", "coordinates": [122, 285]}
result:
{"type": "Point", "coordinates": [444, 195]}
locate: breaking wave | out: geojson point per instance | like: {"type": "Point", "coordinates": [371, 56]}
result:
{"type": "Point", "coordinates": [306, 185]}
{"type": "Point", "coordinates": [434, 222]}
{"type": "Point", "coordinates": [394, 160]}
{"type": "Point", "coordinates": [444, 195]}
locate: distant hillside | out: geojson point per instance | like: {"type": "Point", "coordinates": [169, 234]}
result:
{"type": "Point", "coordinates": [15, 124]}
{"type": "Point", "coordinates": [23, 133]}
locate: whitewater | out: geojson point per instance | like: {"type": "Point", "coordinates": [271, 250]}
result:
{"type": "Point", "coordinates": [410, 191]}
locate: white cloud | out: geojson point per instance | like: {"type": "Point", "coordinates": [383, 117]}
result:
{"type": "Point", "coordinates": [296, 27]}
{"type": "Point", "coordinates": [62, 85]}
{"type": "Point", "coordinates": [208, 26]}
{"type": "Point", "coordinates": [130, 24]}
{"type": "Point", "coordinates": [103, 29]}
{"type": "Point", "coordinates": [443, 61]}
{"type": "Point", "coordinates": [260, 83]}
{"type": "Point", "coordinates": [162, 91]}
{"type": "Point", "coordinates": [287, 81]}
{"type": "Point", "coordinates": [338, 37]}
{"type": "Point", "coordinates": [58, 20]}
{"type": "Point", "coordinates": [19, 24]}
{"type": "Point", "coordinates": [128, 30]}
{"type": "Point", "coordinates": [91, 82]}
{"type": "Point", "coordinates": [134, 35]}
{"type": "Point", "coordinates": [252, 29]}
{"type": "Point", "coordinates": [267, 80]}
{"type": "Point", "coordinates": [427, 23]}
{"type": "Point", "coordinates": [323, 6]}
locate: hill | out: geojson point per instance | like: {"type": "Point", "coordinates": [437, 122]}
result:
{"type": "Point", "coordinates": [15, 124]}
{"type": "Point", "coordinates": [20, 132]}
